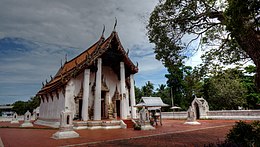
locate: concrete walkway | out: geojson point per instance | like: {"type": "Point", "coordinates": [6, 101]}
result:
{"type": "Point", "coordinates": [172, 133]}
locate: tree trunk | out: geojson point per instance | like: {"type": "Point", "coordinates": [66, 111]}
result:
{"type": "Point", "coordinates": [250, 43]}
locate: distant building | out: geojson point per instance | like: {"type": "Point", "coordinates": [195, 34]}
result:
{"type": "Point", "coordinates": [6, 110]}
{"type": "Point", "coordinates": [98, 84]}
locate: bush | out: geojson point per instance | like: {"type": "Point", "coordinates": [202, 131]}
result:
{"type": "Point", "coordinates": [244, 134]}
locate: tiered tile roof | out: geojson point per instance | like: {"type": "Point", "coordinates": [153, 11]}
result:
{"type": "Point", "coordinates": [102, 48]}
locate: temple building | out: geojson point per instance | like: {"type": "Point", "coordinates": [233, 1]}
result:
{"type": "Point", "coordinates": [96, 85]}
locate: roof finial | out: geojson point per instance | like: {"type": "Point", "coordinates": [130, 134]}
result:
{"type": "Point", "coordinates": [61, 64]}
{"type": "Point", "coordinates": [66, 58]}
{"type": "Point", "coordinates": [115, 24]}
{"type": "Point", "coordinates": [104, 28]}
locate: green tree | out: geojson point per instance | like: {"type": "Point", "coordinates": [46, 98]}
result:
{"type": "Point", "coordinates": [228, 30]}
{"type": "Point", "coordinates": [138, 94]}
{"type": "Point", "coordinates": [20, 107]}
{"type": "Point", "coordinates": [33, 103]}
{"type": "Point", "coordinates": [225, 90]}
{"type": "Point", "coordinates": [147, 90]}
{"type": "Point", "coordinates": [252, 96]}
{"type": "Point", "coordinates": [164, 93]}
{"type": "Point", "coordinates": [193, 86]}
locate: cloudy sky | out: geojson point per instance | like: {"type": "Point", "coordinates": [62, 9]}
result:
{"type": "Point", "coordinates": [46, 30]}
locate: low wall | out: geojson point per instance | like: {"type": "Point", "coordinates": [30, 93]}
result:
{"type": "Point", "coordinates": [235, 114]}
{"type": "Point", "coordinates": [174, 115]}
{"type": "Point", "coordinates": [220, 114]}
{"type": "Point", "coordinates": [3, 119]}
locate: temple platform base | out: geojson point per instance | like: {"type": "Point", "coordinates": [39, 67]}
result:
{"type": "Point", "coordinates": [102, 124]}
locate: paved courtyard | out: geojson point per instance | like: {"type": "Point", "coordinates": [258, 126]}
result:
{"type": "Point", "coordinates": [172, 133]}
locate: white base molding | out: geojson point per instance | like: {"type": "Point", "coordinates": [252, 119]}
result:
{"type": "Point", "coordinates": [65, 135]}
{"type": "Point", "coordinates": [14, 122]}
{"type": "Point", "coordinates": [192, 123]}
{"type": "Point", "coordinates": [27, 124]}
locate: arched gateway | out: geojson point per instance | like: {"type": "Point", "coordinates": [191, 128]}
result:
{"type": "Point", "coordinates": [201, 107]}
{"type": "Point", "coordinates": [97, 84]}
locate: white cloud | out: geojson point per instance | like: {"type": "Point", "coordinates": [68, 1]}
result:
{"type": "Point", "coordinates": [78, 23]}
{"type": "Point", "coordinates": [73, 24]}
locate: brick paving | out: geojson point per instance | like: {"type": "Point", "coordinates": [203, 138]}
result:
{"type": "Point", "coordinates": [172, 133]}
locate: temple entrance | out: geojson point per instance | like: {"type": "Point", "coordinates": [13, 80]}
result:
{"type": "Point", "coordinates": [80, 109]}
{"type": "Point", "coordinates": [103, 105]}
{"type": "Point", "coordinates": [118, 108]}
{"type": "Point", "coordinates": [197, 110]}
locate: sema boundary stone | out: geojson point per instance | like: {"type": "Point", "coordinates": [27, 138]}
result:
{"type": "Point", "coordinates": [15, 119]}
{"type": "Point", "coordinates": [191, 119]}
{"type": "Point", "coordinates": [27, 120]}
{"type": "Point", "coordinates": [66, 127]}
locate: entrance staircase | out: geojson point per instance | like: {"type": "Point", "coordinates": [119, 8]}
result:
{"type": "Point", "coordinates": [129, 123]}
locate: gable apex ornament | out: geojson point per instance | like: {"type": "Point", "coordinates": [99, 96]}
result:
{"type": "Point", "coordinates": [115, 24]}
{"type": "Point", "coordinates": [104, 28]}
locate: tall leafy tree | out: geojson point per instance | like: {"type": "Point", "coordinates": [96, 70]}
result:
{"type": "Point", "coordinates": [148, 89]}
{"type": "Point", "coordinates": [228, 30]}
{"type": "Point", "coordinates": [224, 90]}
{"type": "Point", "coordinates": [164, 93]}
{"type": "Point", "coordinates": [20, 107]}
{"type": "Point", "coordinates": [252, 95]}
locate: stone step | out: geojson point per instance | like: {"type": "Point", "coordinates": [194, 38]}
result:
{"type": "Point", "coordinates": [114, 124]}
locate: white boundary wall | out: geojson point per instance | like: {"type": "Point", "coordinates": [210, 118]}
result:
{"type": "Point", "coordinates": [219, 114]}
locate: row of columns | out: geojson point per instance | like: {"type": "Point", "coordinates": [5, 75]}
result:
{"type": "Point", "coordinates": [97, 99]}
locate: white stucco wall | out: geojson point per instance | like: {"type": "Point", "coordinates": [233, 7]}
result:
{"type": "Point", "coordinates": [72, 90]}
{"type": "Point", "coordinates": [51, 109]}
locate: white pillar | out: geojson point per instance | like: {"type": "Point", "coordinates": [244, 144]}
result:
{"type": "Point", "coordinates": [85, 98]}
{"type": "Point", "coordinates": [122, 86]}
{"type": "Point", "coordinates": [97, 98]}
{"type": "Point", "coordinates": [132, 96]}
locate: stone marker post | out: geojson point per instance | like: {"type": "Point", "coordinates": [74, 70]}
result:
{"type": "Point", "coordinates": [144, 120]}
{"type": "Point", "coordinates": [191, 119]}
{"type": "Point", "coordinates": [27, 120]}
{"type": "Point", "coordinates": [66, 126]}
{"type": "Point", "coordinates": [15, 119]}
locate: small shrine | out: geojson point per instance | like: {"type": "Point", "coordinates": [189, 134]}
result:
{"type": "Point", "coordinates": [152, 106]}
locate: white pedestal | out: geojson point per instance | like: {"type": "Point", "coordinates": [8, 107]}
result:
{"type": "Point", "coordinates": [14, 122]}
{"type": "Point", "coordinates": [147, 126]}
{"type": "Point", "coordinates": [65, 135]}
{"type": "Point", "coordinates": [27, 124]}
{"type": "Point", "coordinates": [192, 123]}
